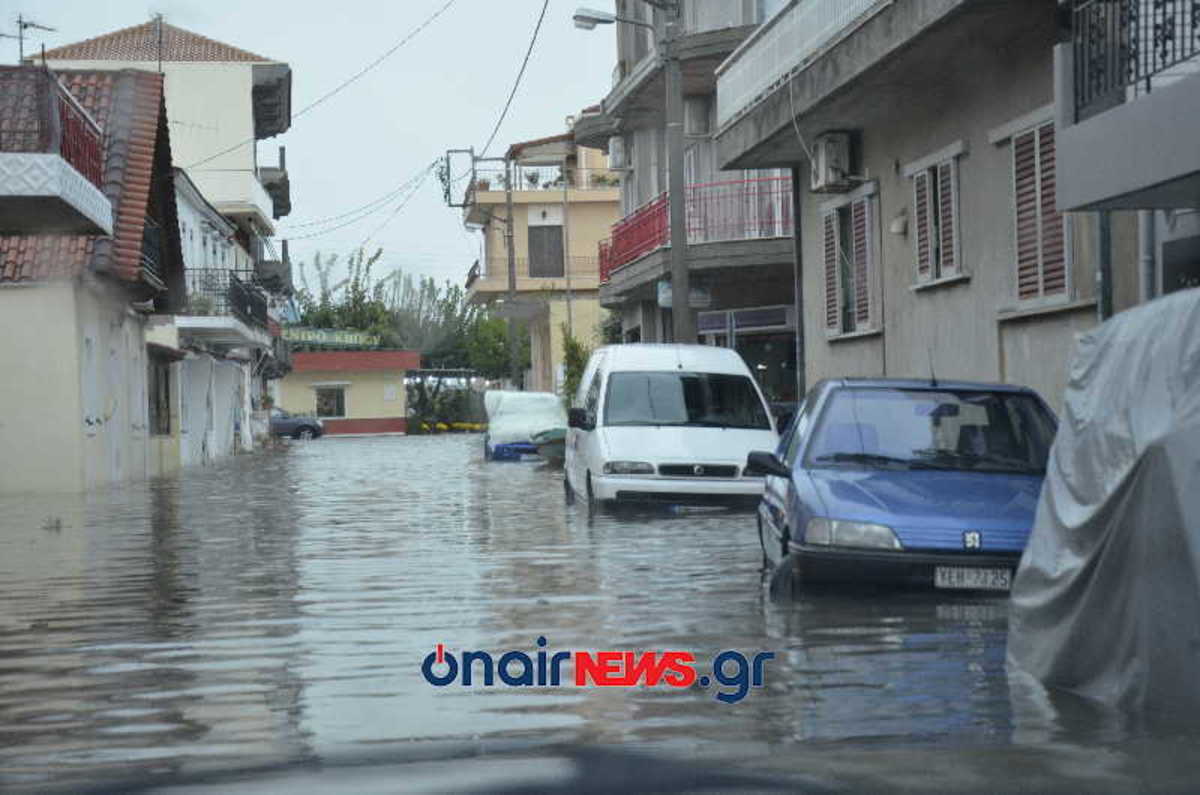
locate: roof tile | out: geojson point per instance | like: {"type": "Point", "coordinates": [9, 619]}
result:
{"type": "Point", "coordinates": [141, 43]}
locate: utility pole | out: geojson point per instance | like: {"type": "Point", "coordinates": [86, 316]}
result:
{"type": "Point", "coordinates": [567, 239]}
{"type": "Point", "coordinates": [683, 324]}
{"type": "Point", "coordinates": [514, 363]}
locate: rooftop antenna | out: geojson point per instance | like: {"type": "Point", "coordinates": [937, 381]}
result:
{"type": "Point", "coordinates": [933, 382]}
{"type": "Point", "coordinates": [24, 24]}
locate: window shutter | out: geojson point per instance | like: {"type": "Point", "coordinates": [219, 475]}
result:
{"type": "Point", "coordinates": [1025, 183]}
{"type": "Point", "coordinates": [832, 302]}
{"type": "Point", "coordinates": [860, 227]}
{"type": "Point", "coordinates": [948, 217]}
{"type": "Point", "coordinates": [1054, 265]}
{"type": "Point", "coordinates": [921, 219]}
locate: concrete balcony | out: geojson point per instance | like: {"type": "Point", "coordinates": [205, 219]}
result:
{"type": "Point", "coordinates": [489, 280]}
{"type": "Point", "coordinates": [822, 65]}
{"type": "Point", "coordinates": [51, 159]}
{"type": "Point", "coordinates": [239, 196]}
{"type": "Point", "coordinates": [224, 310]}
{"type": "Point", "coordinates": [1127, 95]}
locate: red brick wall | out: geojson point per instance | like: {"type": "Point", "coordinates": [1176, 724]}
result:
{"type": "Point", "coordinates": [381, 425]}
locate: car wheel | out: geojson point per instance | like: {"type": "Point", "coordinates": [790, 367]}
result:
{"type": "Point", "coordinates": [304, 433]}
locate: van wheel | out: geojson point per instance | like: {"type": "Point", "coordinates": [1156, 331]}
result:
{"type": "Point", "coordinates": [568, 490]}
{"type": "Point", "coordinates": [592, 505]}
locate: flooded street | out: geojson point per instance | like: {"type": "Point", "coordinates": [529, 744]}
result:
{"type": "Point", "coordinates": [277, 609]}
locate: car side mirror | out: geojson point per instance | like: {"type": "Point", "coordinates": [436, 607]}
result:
{"type": "Point", "coordinates": [578, 418]}
{"type": "Point", "coordinates": [761, 462]}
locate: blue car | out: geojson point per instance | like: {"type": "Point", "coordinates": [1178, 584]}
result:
{"type": "Point", "coordinates": [906, 482]}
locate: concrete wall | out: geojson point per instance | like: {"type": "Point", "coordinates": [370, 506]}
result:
{"type": "Point", "coordinates": [546, 337]}
{"type": "Point", "coordinates": [112, 383]}
{"type": "Point", "coordinates": [40, 411]}
{"type": "Point", "coordinates": [367, 393]}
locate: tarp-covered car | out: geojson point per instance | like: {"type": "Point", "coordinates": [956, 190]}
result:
{"type": "Point", "coordinates": [1106, 601]}
{"type": "Point", "coordinates": [514, 418]}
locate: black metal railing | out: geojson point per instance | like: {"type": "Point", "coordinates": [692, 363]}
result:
{"type": "Point", "coordinates": [152, 249]}
{"type": "Point", "coordinates": [1124, 48]}
{"type": "Point", "coordinates": [215, 291]}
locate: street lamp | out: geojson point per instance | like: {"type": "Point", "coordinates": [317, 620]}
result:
{"type": "Point", "coordinates": [681, 311]}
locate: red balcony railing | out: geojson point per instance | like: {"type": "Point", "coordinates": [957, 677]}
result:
{"type": "Point", "coordinates": [745, 209]}
{"type": "Point", "coordinates": [43, 117]}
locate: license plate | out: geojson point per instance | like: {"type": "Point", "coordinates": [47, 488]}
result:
{"type": "Point", "coordinates": [966, 578]}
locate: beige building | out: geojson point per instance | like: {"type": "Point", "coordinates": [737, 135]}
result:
{"type": "Point", "coordinates": [564, 201]}
{"type": "Point", "coordinates": [350, 391]}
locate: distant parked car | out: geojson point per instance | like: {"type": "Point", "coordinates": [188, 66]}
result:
{"type": "Point", "coordinates": [297, 426]}
{"type": "Point", "coordinates": [666, 424]}
{"type": "Point", "coordinates": [906, 482]}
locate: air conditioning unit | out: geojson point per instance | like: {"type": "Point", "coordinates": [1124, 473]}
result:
{"type": "Point", "coordinates": [831, 163]}
{"type": "Point", "coordinates": [616, 153]}
{"type": "Point", "coordinates": [695, 117]}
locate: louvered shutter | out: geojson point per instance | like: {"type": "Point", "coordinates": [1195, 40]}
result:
{"type": "Point", "coordinates": [861, 232]}
{"type": "Point", "coordinates": [921, 219]}
{"type": "Point", "coordinates": [832, 302]}
{"type": "Point", "coordinates": [1025, 184]}
{"type": "Point", "coordinates": [947, 217]}
{"type": "Point", "coordinates": [1054, 264]}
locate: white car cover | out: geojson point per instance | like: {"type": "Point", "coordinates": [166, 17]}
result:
{"type": "Point", "coordinates": [517, 416]}
{"type": "Point", "coordinates": [1106, 601]}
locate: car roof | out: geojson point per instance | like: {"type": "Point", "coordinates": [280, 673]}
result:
{"type": "Point", "coordinates": [658, 356]}
{"type": "Point", "coordinates": [931, 384]}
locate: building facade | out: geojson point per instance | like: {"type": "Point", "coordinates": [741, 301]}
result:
{"type": "Point", "coordinates": [739, 220]}
{"type": "Point", "coordinates": [221, 100]}
{"type": "Point", "coordinates": [357, 392]}
{"type": "Point", "coordinates": [564, 200]}
{"type": "Point", "coordinates": [87, 392]}
{"type": "Point", "coordinates": [924, 136]}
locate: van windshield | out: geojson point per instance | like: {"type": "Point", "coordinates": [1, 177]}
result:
{"type": "Point", "coordinates": [707, 400]}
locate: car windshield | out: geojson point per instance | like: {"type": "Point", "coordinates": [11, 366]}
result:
{"type": "Point", "coordinates": [714, 400]}
{"type": "Point", "coordinates": [976, 430]}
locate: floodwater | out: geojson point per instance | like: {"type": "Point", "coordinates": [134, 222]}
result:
{"type": "Point", "coordinates": [276, 610]}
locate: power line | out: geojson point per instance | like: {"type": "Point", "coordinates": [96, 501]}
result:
{"type": "Point", "coordinates": [374, 203]}
{"type": "Point", "coordinates": [516, 84]}
{"type": "Point", "coordinates": [339, 88]}
{"type": "Point", "coordinates": [418, 179]}
{"type": "Point", "coordinates": [400, 206]}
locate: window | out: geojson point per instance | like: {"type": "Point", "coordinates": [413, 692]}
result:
{"type": "Point", "coordinates": [158, 391]}
{"type": "Point", "coordinates": [546, 251]}
{"type": "Point", "coordinates": [331, 401]}
{"type": "Point", "coordinates": [1040, 231]}
{"type": "Point", "coordinates": [935, 220]}
{"type": "Point", "coordinates": [849, 266]}
{"type": "Point", "coordinates": [707, 400]}
{"type": "Point", "coordinates": [974, 430]}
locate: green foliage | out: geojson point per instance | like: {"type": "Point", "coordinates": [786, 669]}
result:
{"type": "Point", "coordinates": [575, 359]}
{"type": "Point", "coordinates": [610, 329]}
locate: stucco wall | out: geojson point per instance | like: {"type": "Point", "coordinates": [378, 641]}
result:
{"type": "Point", "coordinates": [366, 393]}
{"type": "Point", "coordinates": [960, 327]}
{"type": "Point", "coordinates": [40, 425]}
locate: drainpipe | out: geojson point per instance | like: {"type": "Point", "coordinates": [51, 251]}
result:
{"type": "Point", "coordinates": [798, 280]}
{"type": "Point", "coordinates": [1147, 245]}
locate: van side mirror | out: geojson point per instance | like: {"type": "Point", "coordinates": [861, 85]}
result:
{"type": "Point", "coordinates": [761, 462]}
{"type": "Point", "coordinates": [578, 418]}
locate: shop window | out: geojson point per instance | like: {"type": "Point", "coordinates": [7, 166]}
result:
{"type": "Point", "coordinates": [331, 402]}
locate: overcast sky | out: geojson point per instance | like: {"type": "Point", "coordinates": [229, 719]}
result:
{"type": "Point", "coordinates": [443, 90]}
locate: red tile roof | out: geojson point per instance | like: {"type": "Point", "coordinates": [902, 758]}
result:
{"type": "Point", "coordinates": [354, 361]}
{"type": "Point", "coordinates": [129, 107]}
{"type": "Point", "coordinates": [141, 43]}
{"type": "Point", "coordinates": [515, 150]}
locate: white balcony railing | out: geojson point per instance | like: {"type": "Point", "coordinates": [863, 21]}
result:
{"type": "Point", "coordinates": [788, 42]}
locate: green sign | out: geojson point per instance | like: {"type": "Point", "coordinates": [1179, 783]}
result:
{"type": "Point", "coordinates": [333, 337]}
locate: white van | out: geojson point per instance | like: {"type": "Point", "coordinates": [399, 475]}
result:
{"type": "Point", "coordinates": [666, 423]}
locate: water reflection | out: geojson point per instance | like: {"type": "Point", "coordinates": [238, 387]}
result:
{"type": "Point", "coordinates": [277, 609]}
